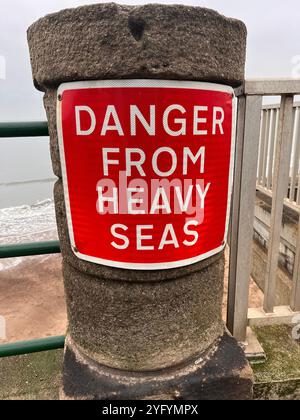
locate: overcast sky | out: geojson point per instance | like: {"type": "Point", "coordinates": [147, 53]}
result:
{"type": "Point", "coordinates": [273, 44]}
{"type": "Point", "coordinates": [273, 41]}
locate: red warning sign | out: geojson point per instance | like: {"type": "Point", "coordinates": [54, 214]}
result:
{"type": "Point", "coordinates": [147, 170]}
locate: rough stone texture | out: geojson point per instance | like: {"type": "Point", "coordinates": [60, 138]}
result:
{"type": "Point", "coordinates": [142, 319]}
{"type": "Point", "coordinates": [126, 319]}
{"type": "Point", "coordinates": [177, 42]}
{"type": "Point", "coordinates": [221, 373]}
{"type": "Point", "coordinates": [50, 99]}
{"type": "Point", "coordinates": [37, 376]}
{"type": "Point", "coordinates": [110, 41]}
{"type": "Point", "coordinates": [144, 326]}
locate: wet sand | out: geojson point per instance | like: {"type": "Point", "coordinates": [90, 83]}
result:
{"type": "Point", "coordinates": [32, 298]}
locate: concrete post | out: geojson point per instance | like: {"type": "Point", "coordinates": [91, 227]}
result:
{"type": "Point", "coordinates": [124, 324]}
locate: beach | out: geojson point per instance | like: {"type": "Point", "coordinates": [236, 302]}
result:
{"type": "Point", "coordinates": [32, 299]}
{"type": "Point", "coordinates": [31, 288]}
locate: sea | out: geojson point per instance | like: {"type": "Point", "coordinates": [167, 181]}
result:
{"type": "Point", "coordinates": [26, 194]}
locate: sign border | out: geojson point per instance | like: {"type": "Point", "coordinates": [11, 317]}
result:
{"type": "Point", "coordinates": [127, 83]}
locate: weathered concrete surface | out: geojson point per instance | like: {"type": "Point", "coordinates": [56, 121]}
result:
{"type": "Point", "coordinates": [148, 318]}
{"type": "Point", "coordinates": [178, 42]}
{"type": "Point", "coordinates": [144, 326]}
{"type": "Point", "coordinates": [126, 319]}
{"type": "Point", "coordinates": [110, 41]}
{"type": "Point", "coordinates": [37, 376]}
{"type": "Point", "coordinates": [220, 373]}
{"type": "Point", "coordinates": [50, 99]}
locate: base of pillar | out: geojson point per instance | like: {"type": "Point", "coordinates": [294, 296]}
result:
{"type": "Point", "coordinates": [221, 373]}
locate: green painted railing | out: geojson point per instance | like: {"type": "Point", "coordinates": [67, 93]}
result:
{"type": "Point", "coordinates": [28, 129]}
{"type": "Point", "coordinates": [25, 250]}
{"type": "Point", "coordinates": [24, 129]}
{"type": "Point", "coordinates": [32, 346]}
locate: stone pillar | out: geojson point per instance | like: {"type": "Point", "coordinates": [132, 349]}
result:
{"type": "Point", "coordinates": [140, 334]}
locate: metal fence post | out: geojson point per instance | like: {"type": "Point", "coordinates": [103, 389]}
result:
{"type": "Point", "coordinates": [248, 133]}
{"type": "Point", "coordinates": [281, 175]}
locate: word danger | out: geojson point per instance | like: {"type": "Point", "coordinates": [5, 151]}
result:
{"type": "Point", "coordinates": [170, 117]}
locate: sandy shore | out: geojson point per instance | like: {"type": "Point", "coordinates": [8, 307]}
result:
{"type": "Point", "coordinates": [32, 298]}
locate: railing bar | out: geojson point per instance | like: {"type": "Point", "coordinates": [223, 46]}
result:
{"type": "Point", "coordinates": [232, 280]}
{"type": "Point", "coordinates": [295, 154]}
{"type": "Point", "coordinates": [266, 148]}
{"type": "Point", "coordinates": [274, 114]}
{"type": "Point", "coordinates": [281, 176]}
{"type": "Point", "coordinates": [270, 141]}
{"type": "Point", "coordinates": [31, 346]}
{"type": "Point", "coordinates": [262, 137]}
{"type": "Point", "coordinates": [290, 206]}
{"type": "Point", "coordinates": [298, 162]}
{"type": "Point", "coordinates": [277, 106]}
{"type": "Point", "coordinates": [272, 87]}
{"type": "Point", "coordinates": [24, 129]}
{"type": "Point", "coordinates": [243, 214]}
{"type": "Point", "coordinates": [271, 106]}
{"type": "Point", "coordinates": [289, 192]}
{"type": "Point", "coordinates": [30, 249]}
{"type": "Point", "coordinates": [295, 295]}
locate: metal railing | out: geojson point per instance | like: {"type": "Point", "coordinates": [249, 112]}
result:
{"type": "Point", "coordinates": [28, 129]}
{"type": "Point", "coordinates": [30, 249]}
{"type": "Point", "coordinates": [266, 144]}
{"type": "Point", "coordinates": [24, 129]}
{"type": "Point", "coordinates": [32, 346]}
{"type": "Point", "coordinates": [267, 156]}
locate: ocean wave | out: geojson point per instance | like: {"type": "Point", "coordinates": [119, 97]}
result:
{"type": "Point", "coordinates": [28, 221]}
{"type": "Point", "coordinates": [25, 224]}
{"type": "Point", "coordinates": [29, 181]}
{"type": "Point", "coordinates": [10, 263]}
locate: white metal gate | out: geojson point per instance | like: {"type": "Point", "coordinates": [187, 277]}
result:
{"type": "Point", "coordinates": [267, 157]}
